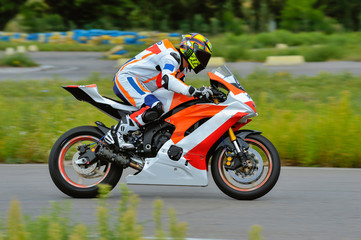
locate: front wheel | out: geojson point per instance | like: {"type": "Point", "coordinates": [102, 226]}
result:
{"type": "Point", "coordinates": [254, 180]}
{"type": "Point", "coordinates": [80, 181]}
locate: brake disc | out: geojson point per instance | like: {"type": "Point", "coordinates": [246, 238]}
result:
{"type": "Point", "coordinates": [84, 170]}
{"type": "Point", "coordinates": [251, 173]}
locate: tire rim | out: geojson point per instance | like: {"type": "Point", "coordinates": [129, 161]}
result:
{"type": "Point", "coordinates": [259, 175]}
{"type": "Point", "coordinates": [77, 175]}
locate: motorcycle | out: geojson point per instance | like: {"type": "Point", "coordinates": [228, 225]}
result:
{"type": "Point", "coordinates": [191, 136]}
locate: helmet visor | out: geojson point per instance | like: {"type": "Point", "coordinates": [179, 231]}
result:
{"type": "Point", "coordinates": [203, 58]}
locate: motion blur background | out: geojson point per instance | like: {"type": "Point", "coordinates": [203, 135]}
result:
{"type": "Point", "coordinates": [312, 120]}
{"type": "Point", "coordinates": [312, 117]}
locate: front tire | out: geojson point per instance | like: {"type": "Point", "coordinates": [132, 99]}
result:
{"type": "Point", "coordinates": [75, 180]}
{"type": "Point", "coordinates": [254, 181]}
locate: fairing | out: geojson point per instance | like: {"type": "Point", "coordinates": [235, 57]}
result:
{"type": "Point", "coordinates": [212, 121]}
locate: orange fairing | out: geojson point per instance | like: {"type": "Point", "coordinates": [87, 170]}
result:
{"type": "Point", "coordinates": [186, 118]}
{"type": "Point", "coordinates": [179, 99]}
{"type": "Point", "coordinates": [231, 88]}
{"type": "Point", "coordinates": [197, 156]}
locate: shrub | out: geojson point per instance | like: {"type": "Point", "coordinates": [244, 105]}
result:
{"type": "Point", "coordinates": [17, 60]}
{"type": "Point", "coordinates": [322, 53]}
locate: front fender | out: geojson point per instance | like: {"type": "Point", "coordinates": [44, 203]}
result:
{"type": "Point", "coordinates": [244, 133]}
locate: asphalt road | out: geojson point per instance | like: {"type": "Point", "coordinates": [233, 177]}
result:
{"type": "Point", "coordinates": [80, 65]}
{"type": "Point", "coordinates": [306, 203]}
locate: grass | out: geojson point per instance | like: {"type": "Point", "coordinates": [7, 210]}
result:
{"type": "Point", "coordinates": [55, 223]}
{"type": "Point", "coordinates": [122, 224]}
{"type": "Point", "coordinates": [314, 46]}
{"type": "Point", "coordinates": [313, 121]}
{"type": "Point", "coordinates": [17, 60]}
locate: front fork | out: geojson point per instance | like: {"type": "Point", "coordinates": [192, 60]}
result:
{"type": "Point", "coordinates": [241, 153]}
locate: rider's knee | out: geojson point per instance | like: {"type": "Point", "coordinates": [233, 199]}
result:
{"type": "Point", "coordinates": [148, 114]}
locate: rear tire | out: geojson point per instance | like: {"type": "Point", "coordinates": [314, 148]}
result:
{"type": "Point", "coordinates": [253, 182]}
{"type": "Point", "coordinates": [75, 180]}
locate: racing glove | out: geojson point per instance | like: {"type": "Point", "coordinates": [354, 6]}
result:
{"type": "Point", "coordinates": [201, 93]}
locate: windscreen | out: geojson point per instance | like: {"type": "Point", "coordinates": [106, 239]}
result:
{"type": "Point", "coordinates": [224, 73]}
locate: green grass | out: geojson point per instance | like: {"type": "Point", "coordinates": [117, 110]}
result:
{"type": "Point", "coordinates": [314, 46]}
{"type": "Point", "coordinates": [119, 224]}
{"type": "Point", "coordinates": [17, 60]}
{"type": "Point", "coordinates": [313, 121]}
{"type": "Point", "coordinates": [122, 224]}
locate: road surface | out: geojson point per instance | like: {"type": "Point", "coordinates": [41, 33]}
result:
{"type": "Point", "coordinates": [306, 203]}
{"type": "Point", "coordinates": [80, 65]}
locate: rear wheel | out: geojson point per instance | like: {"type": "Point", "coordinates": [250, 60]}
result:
{"type": "Point", "coordinates": [254, 180]}
{"type": "Point", "coordinates": [80, 180]}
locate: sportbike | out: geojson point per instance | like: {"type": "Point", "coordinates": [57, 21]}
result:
{"type": "Point", "coordinates": [190, 138]}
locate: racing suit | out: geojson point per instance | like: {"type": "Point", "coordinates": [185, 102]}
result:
{"type": "Point", "coordinates": [158, 66]}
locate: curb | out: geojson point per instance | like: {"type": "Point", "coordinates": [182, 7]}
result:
{"type": "Point", "coordinates": [4, 70]}
{"type": "Point", "coordinates": [284, 60]}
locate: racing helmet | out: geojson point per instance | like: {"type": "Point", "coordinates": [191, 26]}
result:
{"type": "Point", "coordinates": [197, 50]}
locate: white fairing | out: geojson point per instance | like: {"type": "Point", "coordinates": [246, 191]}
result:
{"type": "Point", "coordinates": [161, 170]}
{"type": "Point", "coordinates": [93, 92]}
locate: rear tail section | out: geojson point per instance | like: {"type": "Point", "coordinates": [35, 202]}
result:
{"type": "Point", "coordinates": [90, 94]}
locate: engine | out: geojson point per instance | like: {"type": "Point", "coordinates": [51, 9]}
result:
{"type": "Point", "coordinates": [160, 138]}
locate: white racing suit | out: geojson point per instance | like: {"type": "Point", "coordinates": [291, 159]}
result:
{"type": "Point", "coordinates": [159, 66]}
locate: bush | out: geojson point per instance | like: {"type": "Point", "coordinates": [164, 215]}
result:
{"type": "Point", "coordinates": [322, 53]}
{"type": "Point", "coordinates": [17, 60]}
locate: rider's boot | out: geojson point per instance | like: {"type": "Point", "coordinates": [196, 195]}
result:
{"type": "Point", "coordinates": [116, 133]}
{"type": "Point", "coordinates": [132, 123]}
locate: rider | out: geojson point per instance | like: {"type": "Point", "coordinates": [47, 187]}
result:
{"type": "Point", "coordinates": [160, 65]}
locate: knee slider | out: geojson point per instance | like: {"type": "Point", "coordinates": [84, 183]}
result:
{"type": "Point", "coordinates": [153, 113]}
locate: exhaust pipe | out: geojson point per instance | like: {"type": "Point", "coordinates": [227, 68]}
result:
{"type": "Point", "coordinates": [136, 164]}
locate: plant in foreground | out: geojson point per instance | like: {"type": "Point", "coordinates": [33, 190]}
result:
{"type": "Point", "coordinates": [55, 225]}
{"type": "Point", "coordinates": [17, 60]}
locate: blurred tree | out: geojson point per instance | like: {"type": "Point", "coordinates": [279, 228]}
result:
{"type": "Point", "coordinates": [8, 10]}
{"type": "Point", "coordinates": [83, 12]}
{"type": "Point", "coordinates": [206, 16]}
{"type": "Point", "coordinates": [301, 15]}
{"type": "Point", "coordinates": [36, 18]}
{"type": "Point", "coordinates": [256, 6]}
{"type": "Point", "coordinates": [119, 13]}
{"type": "Point", "coordinates": [275, 8]}
{"type": "Point", "coordinates": [345, 12]}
